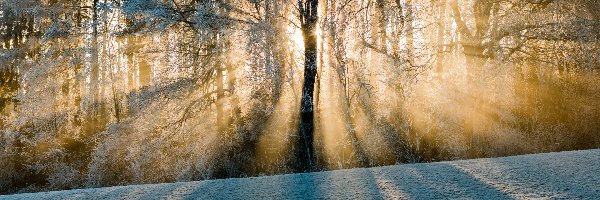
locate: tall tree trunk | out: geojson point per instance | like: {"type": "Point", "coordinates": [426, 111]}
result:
{"type": "Point", "coordinates": [308, 19]}
{"type": "Point", "coordinates": [440, 38]}
{"type": "Point", "coordinates": [397, 27]}
{"type": "Point", "coordinates": [473, 50]}
{"type": "Point", "coordinates": [321, 61]}
{"type": "Point", "coordinates": [379, 36]}
{"type": "Point", "coordinates": [410, 48]}
{"type": "Point", "coordinates": [234, 101]}
{"type": "Point", "coordinates": [410, 33]}
{"type": "Point", "coordinates": [230, 70]}
{"type": "Point", "coordinates": [95, 73]}
{"type": "Point", "coordinates": [219, 43]}
{"type": "Point", "coordinates": [220, 86]}
{"type": "Point", "coordinates": [92, 117]}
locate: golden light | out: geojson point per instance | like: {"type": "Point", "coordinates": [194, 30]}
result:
{"type": "Point", "coordinates": [296, 37]}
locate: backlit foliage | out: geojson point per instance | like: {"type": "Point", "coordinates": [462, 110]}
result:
{"type": "Point", "coordinates": [112, 92]}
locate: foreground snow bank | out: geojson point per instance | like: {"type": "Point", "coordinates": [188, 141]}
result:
{"type": "Point", "coordinates": [571, 175]}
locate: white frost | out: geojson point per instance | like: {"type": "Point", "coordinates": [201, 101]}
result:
{"type": "Point", "coordinates": [564, 175]}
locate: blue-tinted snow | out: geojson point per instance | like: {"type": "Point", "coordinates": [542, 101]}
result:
{"type": "Point", "coordinates": [563, 175]}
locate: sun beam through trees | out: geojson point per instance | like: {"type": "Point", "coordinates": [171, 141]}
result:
{"type": "Point", "coordinates": [113, 92]}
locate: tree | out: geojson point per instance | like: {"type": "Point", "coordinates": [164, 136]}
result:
{"type": "Point", "coordinates": [308, 24]}
{"type": "Point", "coordinates": [112, 92]}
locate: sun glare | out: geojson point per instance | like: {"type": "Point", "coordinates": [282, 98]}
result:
{"type": "Point", "coordinates": [296, 37]}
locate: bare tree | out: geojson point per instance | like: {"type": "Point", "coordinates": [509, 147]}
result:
{"type": "Point", "coordinates": [308, 23]}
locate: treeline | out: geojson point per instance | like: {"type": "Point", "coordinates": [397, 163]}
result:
{"type": "Point", "coordinates": [112, 92]}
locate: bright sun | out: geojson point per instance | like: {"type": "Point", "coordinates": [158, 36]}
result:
{"type": "Point", "coordinates": [297, 38]}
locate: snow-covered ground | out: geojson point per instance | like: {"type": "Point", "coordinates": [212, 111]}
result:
{"type": "Point", "coordinates": [563, 175]}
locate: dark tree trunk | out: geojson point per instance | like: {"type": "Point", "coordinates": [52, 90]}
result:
{"type": "Point", "coordinates": [304, 152]}
{"type": "Point", "coordinates": [95, 74]}
{"type": "Point", "coordinates": [410, 36]}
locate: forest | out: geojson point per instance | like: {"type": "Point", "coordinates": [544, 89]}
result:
{"type": "Point", "coordinates": [100, 93]}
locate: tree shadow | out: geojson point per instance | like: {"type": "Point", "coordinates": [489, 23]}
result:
{"type": "Point", "coordinates": [433, 181]}
{"type": "Point", "coordinates": [534, 176]}
{"type": "Point", "coordinates": [563, 175]}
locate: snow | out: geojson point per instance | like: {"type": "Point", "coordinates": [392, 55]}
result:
{"type": "Point", "coordinates": [562, 175]}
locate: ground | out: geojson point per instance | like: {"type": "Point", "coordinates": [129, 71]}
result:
{"type": "Point", "coordinates": [562, 175]}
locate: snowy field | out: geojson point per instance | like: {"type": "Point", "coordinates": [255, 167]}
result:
{"type": "Point", "coordinates": [564, 175]}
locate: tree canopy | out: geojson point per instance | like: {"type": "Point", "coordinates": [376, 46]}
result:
{"type": "Point", "coordinates": [113, 92]}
